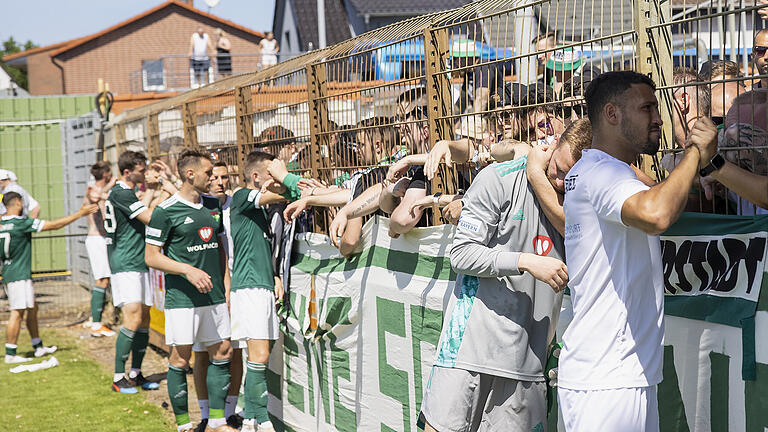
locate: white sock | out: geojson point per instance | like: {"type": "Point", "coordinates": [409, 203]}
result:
{"type": "Point", "coordinates": [96, 325]}
{"type": "Point", "coordinates": [184, 426]}
{"type": "Point", "coordinates": [230, 405]}
{"type": "Point", "coordinates": [214, 423]}
{"type": "Point", "coordinates": [118, 377]}
{"type": "Point", "coordinates": [203, 408]}
{"type": "Point", "coordinates": [134, 373]}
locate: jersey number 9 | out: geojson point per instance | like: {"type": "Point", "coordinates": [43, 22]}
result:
{"type": "Point", "coordinates": [110, 224]}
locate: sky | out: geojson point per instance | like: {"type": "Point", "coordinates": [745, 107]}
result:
{"type": "Point", "coordinates": [46, 22]}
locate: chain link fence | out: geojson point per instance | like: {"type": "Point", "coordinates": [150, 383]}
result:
{"type": "Point", "coordinates": [486, 75]}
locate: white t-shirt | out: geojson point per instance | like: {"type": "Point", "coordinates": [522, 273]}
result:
{"type": "Point", "coordinates": [268, 47]}
{"type": "Point", "coordinates": [200, 46]}
{"type": "Point", "coordinates": [616, 336]}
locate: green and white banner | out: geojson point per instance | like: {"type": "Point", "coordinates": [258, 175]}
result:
{"type": "Point", "coordinates": [365, 363]}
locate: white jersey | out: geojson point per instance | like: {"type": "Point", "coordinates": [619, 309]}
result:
{"type": "Point", "coordinates": [229, 247]}
{"type": "Point", "coordinates": [616, 336]}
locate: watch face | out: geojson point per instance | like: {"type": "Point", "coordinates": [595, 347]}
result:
{"type": "Point", "coordinates": [718, 161]}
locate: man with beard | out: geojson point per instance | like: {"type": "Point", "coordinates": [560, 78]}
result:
{"type": "Point", "coordinates": [612, 355]}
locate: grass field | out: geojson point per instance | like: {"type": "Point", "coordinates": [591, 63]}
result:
{"type": "Point", "coordinates": [75, 396]}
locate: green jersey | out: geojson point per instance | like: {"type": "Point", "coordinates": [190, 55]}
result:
{"type": "Point", "coordinates": [189, 233]}
{"type": "Point", "coordinates": [16, 246]}
{"type": "Point", "coordinates": [252, 266]}
{"type": "Point", "coordinates": [125, 233]}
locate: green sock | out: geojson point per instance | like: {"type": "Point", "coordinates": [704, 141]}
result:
{"type": "Point", "coordinates": [139, 347]}
{"type": "Point", "coordinates": [218, 386]}
{"type": "Point", "coordinates": [97, 302]}
{"type": "Point", "coordinates": [256, 392]}
{"type": "Point", "coordinates": [123, 348]}
{"type": "Point", "coordinates": [177, 391]}
{"type": "Point", "coordinates": [10, 349]}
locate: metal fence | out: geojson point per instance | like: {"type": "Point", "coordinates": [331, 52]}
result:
{"type": "Point", "coordinates": [483, 74]}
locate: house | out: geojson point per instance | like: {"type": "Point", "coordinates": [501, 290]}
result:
{"type": "Point", "coordinates": [8, 88]}
{"type": "Point", "coordinates": [145, 53]}
{"type": "Point", "coordinates": [295, 21]}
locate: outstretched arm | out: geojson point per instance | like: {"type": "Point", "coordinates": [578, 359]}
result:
{"type": "Point", "coordinates": [750, 186]}
{"type": "Point", "coordinates": [86, 209]}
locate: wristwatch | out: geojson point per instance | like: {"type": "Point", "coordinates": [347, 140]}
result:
{"type": "Point", "coordinates": [715, 164]}
{"type": "Point", "coordinates": [436, 198]}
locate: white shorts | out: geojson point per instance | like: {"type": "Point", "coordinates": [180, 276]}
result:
{"type": "Point", "coordinates": [131, 287]}
{"type": "Point", "coordinates": [254, 315]}
{"type": "Point", "coordinates": [96, 246]}
{"type": "Point", "coordinates": [626, 409]}
{"type": "Point", "coordinates": [21, 295]}
{"type": "Point", "coordinates": [200, 327]}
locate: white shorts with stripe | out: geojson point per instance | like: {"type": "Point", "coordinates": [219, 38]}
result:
{"type": "Point", "coordinates": [96, 246]}
{"type": "Point", "coordinates": [200, 327]}
{"type": "Point", "coordinates": [626, 409]}
{"type": "Point", "coordinates": [254, 315]}
{"type": "Point", "coordinates": [21, 294]}
{"type": "Point", "coordinates": [131, 287]}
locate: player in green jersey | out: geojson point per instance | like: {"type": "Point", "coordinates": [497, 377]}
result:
{"type": "Point", "coordinates": [125, 218]}
{"type": "Point", "coordinates": [16, 253]}
{"type": "Point", "coordinates": [220, 189]}
{"type": "Point", "coordinates": [254, 285]}
{"type": "Point", "coordinates": [183, 240]}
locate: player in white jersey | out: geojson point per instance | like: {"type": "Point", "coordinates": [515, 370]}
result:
{"type": "Point", "coordinates": [96, 244]}
{"type": "Point", "coordinates": [611, 361]}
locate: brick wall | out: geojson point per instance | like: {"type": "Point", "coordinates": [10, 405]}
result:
{"type": "Point", "coordinates": [44, 76]}
{"type": "Point", "coordinates": [115, 55]}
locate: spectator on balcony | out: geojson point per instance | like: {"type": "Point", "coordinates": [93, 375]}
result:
{"type": "Point", "coordinates": [760, 57]}
{"type": "Point", "coordinates": [269, 50]}
{"type": "Point", "coordinates": [200, 46]}
{"type": "Point", "coordinates": [9, 183]}
{"type": "Point", "coordinates": [223, 59]}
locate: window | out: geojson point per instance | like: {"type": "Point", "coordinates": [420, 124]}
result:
{"type": "Point", "coordinates": [152, 75]}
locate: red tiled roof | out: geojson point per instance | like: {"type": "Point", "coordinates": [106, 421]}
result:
{"type": "Point", "coordinates": [68, 45]}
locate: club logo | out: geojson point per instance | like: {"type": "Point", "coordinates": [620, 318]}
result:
{"type": "Point", "coordinates": [542, 245]}
{"type": "Point", "coordinates": [205, 233]}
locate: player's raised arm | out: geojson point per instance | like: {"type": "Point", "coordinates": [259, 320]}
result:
{"type": "Point", "coordinates": [85, 210]}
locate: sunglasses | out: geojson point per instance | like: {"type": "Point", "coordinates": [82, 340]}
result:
{"type": "Point", "coordinates": [544, 124]}
{"type": "Point", "coordinates": [759, 50]}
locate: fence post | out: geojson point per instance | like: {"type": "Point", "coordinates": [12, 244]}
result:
{"type": "Point", "coordinates": [318, 116]}
{"type": "Point", "coordinates": [153, 137]}
{"type": "Point", "coordinates": [189, 116]}
{"type": "Point", "coordinates": [318, 123]}
{"type": "Point", "coordinates": [243, 108]}
{"type": "Point", "coordinates": [654, 59]}
{"type": "Point", "coordinates": [439, 106]}
{"type": "Point", "coordinates": [119, 138]}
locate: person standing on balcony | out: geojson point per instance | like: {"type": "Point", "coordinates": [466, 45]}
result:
{"type": "Point", "coordinates": [223, 59]}
{"type": "Point", "coordinates": [269, 49]}
{"type": "Point", "coordinates": [199, 47]}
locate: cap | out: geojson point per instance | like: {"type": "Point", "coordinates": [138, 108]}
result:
{"type": "Point", "coordinates": [564, 59]}
{"type": "Point", "coordinates": [464, 48]}
{"type": "Point", "coordinates": [5, 174]}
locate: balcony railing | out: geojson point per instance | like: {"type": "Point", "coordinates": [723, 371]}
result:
{"type": "Point", "coordinates": [175, 72]}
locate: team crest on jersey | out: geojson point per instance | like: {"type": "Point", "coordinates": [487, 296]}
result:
{"type": "Point", "coordinates": [542, 245]}
{"type": "Point", "coordinates": [205, 233]}
{"type": "Point", "coordinates": [215, 215]}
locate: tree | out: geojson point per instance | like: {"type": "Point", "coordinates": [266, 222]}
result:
{"type": "Point", "coordinates": [18, 75]}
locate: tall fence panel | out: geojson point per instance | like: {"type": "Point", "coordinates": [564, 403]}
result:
{"type": "Point", "coordinates": [30, 146]}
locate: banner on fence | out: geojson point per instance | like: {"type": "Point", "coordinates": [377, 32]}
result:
{"type": "Point", "coordinates": [364, 365]}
